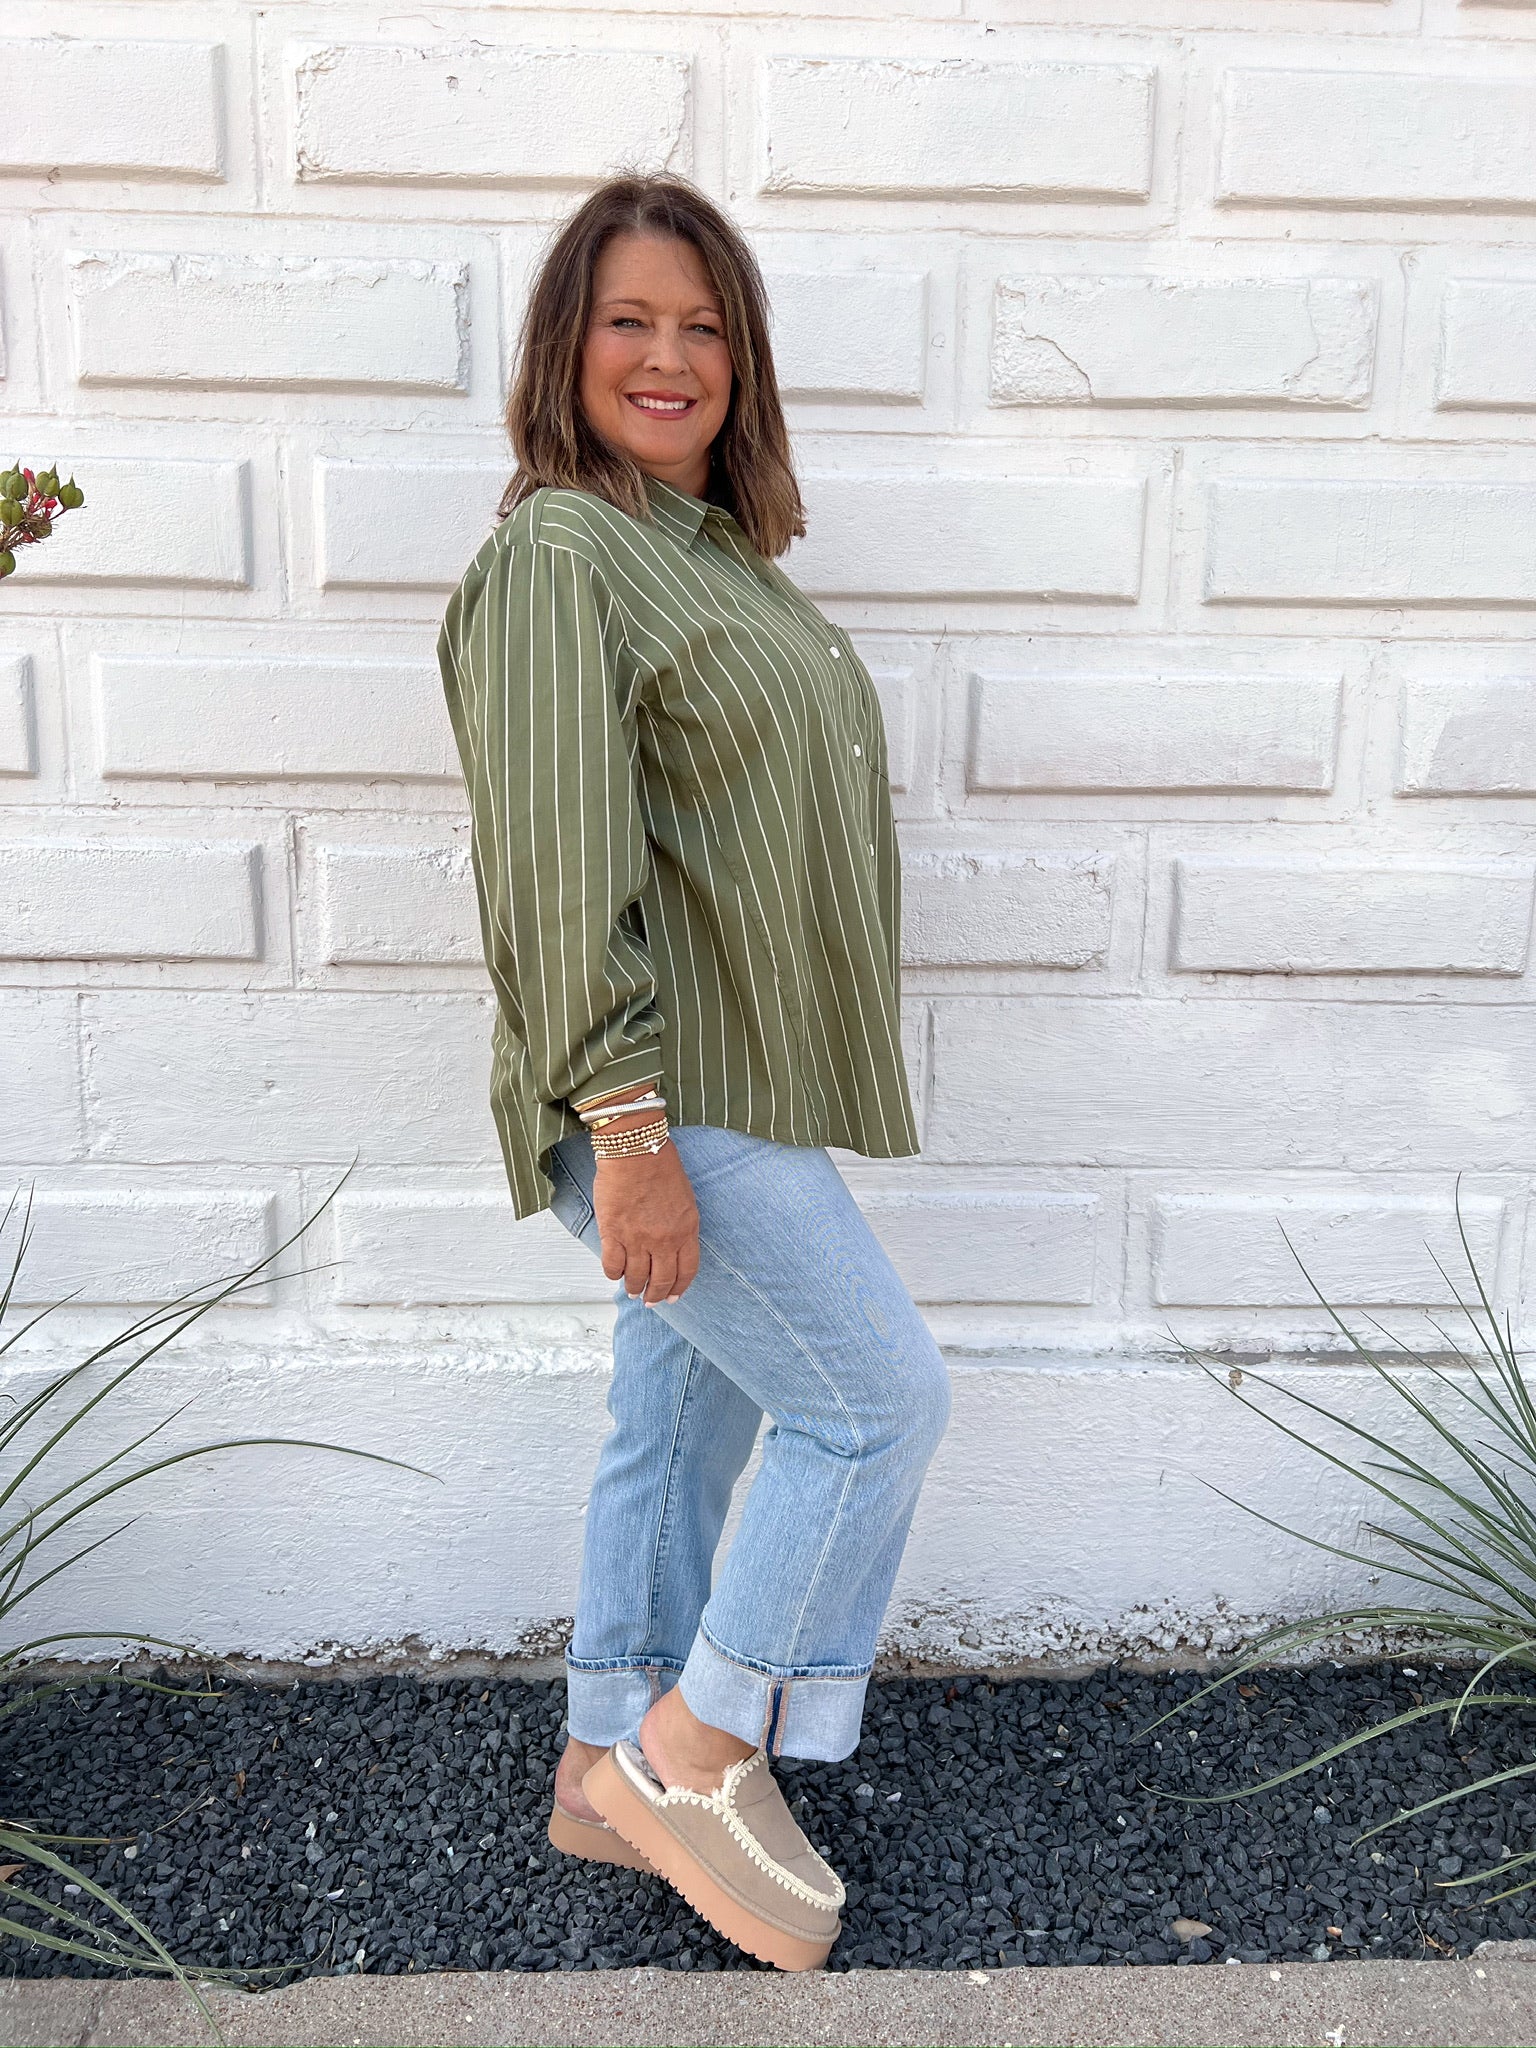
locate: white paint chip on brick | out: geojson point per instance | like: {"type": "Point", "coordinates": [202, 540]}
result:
{"type": "Point", "coordinates": [976, 1247]}
{"type": "Point", "coordinates": [368, 536]}
{"type": "Point", "coordinates": [1283, 540]}
{"type": "Point", "coordinates": [121, 899]}
{"type": "Point", "coordinates": [250, 720]}
{"type": "Point", "coordinates": [1377, 139]}
{"type": "Point", "coordinates": [957, 128]}
{"type": "Point", "coordinates": [473, 114]}
{"type": "Point", "coordinates": [155, 521]}
{"type": "Point", "coordinates": [389, 905]}
{"type": "Point", "coordinates": [18, 721]}
{"type": "Point", "coordinates": [1362, 1250]}
{"type": "Point", "coordinates": [1045, 732]}
{"type": "Point", "coordinates": [1355, 916]}
{"type": "Point", "coordinates": [859, 334]}
{"type": "Point", "coordinates": [125, 109]}
{"type": "Point", "coordinates": [1182, 341]}
{"type": "Point", "coordinates": [145, 1244]}
{"type": "Point", "coordinates": [1487, 356]}
{"type": "Point", "coordinates": [413, 1246]}
{"type": "Point", "coordinates": [971, 536]}
{"type": "Point", "coordinates": [1006, 909]}
{"type": "Point", "coordinates": [268, 322]}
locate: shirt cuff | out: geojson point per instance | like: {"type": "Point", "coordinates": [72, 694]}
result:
{"type": "Point", "coordinates": [643, 1064]}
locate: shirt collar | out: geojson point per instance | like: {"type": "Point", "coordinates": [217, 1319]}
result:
{"type": "Point", "coordinates": [680, 515]}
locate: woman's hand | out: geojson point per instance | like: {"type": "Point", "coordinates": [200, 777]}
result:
{"type": "Point", "coordinates": [649, 1223]}
{"type": "Point", "coordinates": [646, 1215]}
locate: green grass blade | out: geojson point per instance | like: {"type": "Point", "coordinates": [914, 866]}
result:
{"type": "Point", "coordinates": [35, 1853]}
{"type": "Point", "coordinates": [1448, 1798]}
{"type": "Point", "coordinates": [234, 1443]}
{"type": "Point", "coordinates": [1338, 1749]}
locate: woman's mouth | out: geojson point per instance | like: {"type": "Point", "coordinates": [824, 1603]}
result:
{"type": "Point", "coordinates": [661, 405]}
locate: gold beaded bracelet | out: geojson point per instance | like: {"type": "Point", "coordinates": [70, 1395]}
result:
{"type": "Point", "coordinates": [647, 1137]}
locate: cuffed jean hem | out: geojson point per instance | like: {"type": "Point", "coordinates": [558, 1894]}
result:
{"type": "Point", "coordinates": [805, 1714]}
{"type": "Point", "coordinates": [605, 1703]}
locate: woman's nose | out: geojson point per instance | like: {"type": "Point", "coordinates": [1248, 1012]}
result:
{"type": "Point", "coordinates": [666, 350]}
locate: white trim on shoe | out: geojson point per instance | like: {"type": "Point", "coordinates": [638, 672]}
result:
{"type": "Point", "coordinates": [722, 1804]}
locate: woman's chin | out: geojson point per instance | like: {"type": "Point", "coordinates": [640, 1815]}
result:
{"type": "Point", "coordinates": [665, 452]}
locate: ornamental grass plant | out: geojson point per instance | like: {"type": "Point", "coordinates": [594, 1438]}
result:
{"type": "Point", "coordinates": [1463, 1530]}
{"type": "Point", "coordinates": [45, 1496]}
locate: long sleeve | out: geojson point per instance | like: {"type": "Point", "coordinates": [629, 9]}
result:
{"type": "Point", "coordinates": [536, 694]}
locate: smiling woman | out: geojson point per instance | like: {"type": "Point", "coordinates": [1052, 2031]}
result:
{"type": "Point", "coordinates": [656, 371]}
{"type": "Point", "coordinates": [689, 895]}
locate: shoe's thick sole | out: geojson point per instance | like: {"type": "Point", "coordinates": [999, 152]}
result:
{"type": "Point", "coordinates": [628, 1815]}
{"type": "Point", "coordinates": [592, 1839]}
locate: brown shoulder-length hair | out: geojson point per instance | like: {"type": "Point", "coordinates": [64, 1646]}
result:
{"type": "Point", "coordinates": [751, 473]}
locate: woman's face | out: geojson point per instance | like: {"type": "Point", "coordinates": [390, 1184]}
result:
{"type": "Point", "coordinates": [655, 369]}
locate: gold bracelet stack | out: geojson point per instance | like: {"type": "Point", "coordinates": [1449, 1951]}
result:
{"type": "Point", "coordinates": [646, 1137]}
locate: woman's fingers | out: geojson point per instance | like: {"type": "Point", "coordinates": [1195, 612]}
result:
{"type": "Point", "coordinates": [687, 1267]}
{"type": "Point", "coordinates": [663, 1279]}
{"type": "Point", "coordinates": [637, 1271]}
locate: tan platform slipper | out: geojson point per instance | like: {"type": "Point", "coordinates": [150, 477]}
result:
{"type": "Point", "coordinates": [736, 1855]}
{"type": "Point", "coordinates": [593, 1839]}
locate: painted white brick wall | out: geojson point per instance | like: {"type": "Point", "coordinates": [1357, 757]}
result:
{"type": "Point", "coordinates": [1341, 138]}
{"type": "Point", "coordinates": [1161, 383]}
{"type": "Point", "coordinates": [116, 899]}
{"type": "Point", "coordinates": [1183, 341]}
{"type": "Point", "coordinates": [260, 322]}
{"type": "Point", "coordinates": [1351, 916]}
{"type": "Point", "coordinates": [958, 126]}
{"type": "Point", "coordinates": [119, 105]}
{"type": "Point", "coordinates": [388, 112]}
{"type": "Point", "coordinates": [18, 752]}
{"type": "Point", "coordinates": [1487, 345]}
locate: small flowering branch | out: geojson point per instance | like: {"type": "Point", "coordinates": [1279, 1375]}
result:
{"type": "Point", "coordinates": [29, 504]}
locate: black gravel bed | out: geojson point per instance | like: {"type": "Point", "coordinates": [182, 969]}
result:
{"type": "Point", "coordinates": [398, 1824]}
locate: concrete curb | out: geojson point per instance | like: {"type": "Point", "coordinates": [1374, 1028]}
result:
{"type": "Point", "coordinates": [1486, 2001]}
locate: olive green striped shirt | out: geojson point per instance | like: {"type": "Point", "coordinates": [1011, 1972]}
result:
{"type": "Point", "coordinates": [682, 840]}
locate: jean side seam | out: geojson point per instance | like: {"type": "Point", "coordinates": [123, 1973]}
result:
{"type": "Point", "coordinates": [859, 1446]}
{"type": "Point", "coordinates": [815, 1578]}
{"type": "Point", "coordinates": [669, 1495]}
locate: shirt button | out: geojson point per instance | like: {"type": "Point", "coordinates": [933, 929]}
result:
{"type": "Point", "coordinates": [836, 653]}
{"type": "Point", "coordinates": [858, 750]}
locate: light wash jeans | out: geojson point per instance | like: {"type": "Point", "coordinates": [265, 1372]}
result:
{"type": "Point", "coordinates": [797, 1311]}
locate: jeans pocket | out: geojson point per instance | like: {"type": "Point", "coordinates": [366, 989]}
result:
{"type": "Point", "coordinates": [569, 1202]}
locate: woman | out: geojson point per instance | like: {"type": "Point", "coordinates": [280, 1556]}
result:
{"type": "Point", "coordinates": [689, 897]}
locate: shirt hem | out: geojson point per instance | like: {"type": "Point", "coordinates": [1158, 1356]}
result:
{"type": "Point", "coordinates": [532, 1187]}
